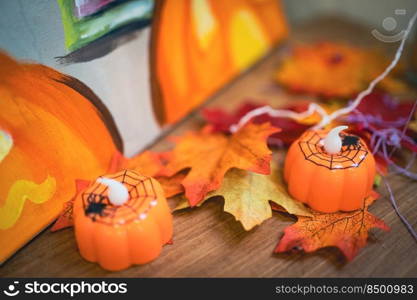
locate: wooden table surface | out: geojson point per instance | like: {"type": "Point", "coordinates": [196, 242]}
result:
{"type": "Point", "coordinates": [210, 243]}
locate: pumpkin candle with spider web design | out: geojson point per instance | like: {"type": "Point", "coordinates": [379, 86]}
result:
{"type": "Point", "coordinates": [122, 219]}
{"type": "Point", "coordinates": [330, 170]}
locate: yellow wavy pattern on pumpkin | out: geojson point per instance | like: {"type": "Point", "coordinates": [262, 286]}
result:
{"type": "Point", "coordinates": [21, 191]}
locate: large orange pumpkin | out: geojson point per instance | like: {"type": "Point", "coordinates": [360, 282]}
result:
{"type": "Point", "coordinates": [199, 45]}
{"type": "Point", "coordinates": [54, 130]}
{"type": "Point", "coordinates": [118, 230]}
{"type": "Point", "coordinates": [329, 180]}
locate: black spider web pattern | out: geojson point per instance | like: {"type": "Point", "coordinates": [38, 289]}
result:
{"type": "Point", "coordinates": [140, 189]}
{"type": "Point", "coordinates": [314, 151]}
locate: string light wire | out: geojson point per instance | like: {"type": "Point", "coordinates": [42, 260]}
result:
{"type": "Point", "coordinates": [315, 108]}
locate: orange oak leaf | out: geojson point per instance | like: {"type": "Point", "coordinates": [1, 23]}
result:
{"type": "Point", "coordinates": [210, 155]}
{"type": "Point", "coordinates": [347, 231]}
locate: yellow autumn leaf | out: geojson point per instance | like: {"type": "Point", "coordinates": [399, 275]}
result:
{"type": "Point", "coordinates": [247, 195]}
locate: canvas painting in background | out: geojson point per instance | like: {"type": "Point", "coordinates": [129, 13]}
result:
{"type": "Point", "coordinates": [198, 46]}
{"type": "Point", "coordinates": [85, 21]}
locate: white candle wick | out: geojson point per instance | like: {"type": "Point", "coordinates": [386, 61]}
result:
{"type": "Point", "coordinates": [333, 142]}
{"type": "Point", "coordinates": [118, 194]}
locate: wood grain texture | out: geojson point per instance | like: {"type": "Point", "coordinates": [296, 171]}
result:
{"type": "Point", "coordinates": [210, 243]}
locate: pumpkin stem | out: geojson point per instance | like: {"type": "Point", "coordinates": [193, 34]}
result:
{"type": "Point", "coordinates": [118, 193]}
{"type": "Point", "coordinates": [333, 142]}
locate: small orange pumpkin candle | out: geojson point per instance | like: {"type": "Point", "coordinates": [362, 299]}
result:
{"type": "Point", "coordinates": [329, 170]}
{"type": "Point", "coordinates": [122, 219]}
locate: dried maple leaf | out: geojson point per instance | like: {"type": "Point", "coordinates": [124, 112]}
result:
{"type": "Point", "coordinates": [347, 231]}
{"type": "Point", "coordinates": [210, 155]}
{"type": "Point", "coordinates": [334, 70]}
{"type": "Point", "coordinates": [246, 196]}
{"type": "Point", "coordinates": [172, 185]}
{"type": "Point", "coordinates": [146, 163]}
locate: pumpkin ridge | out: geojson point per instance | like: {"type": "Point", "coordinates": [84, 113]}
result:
{"type": "Point", "coordinates": [341, 198]}
{"type": "Point", "coordinates": [289, 160]}
{"type": "Point", "coordinates": [166, 232]}
{"type": "Point", "coordinates": [307, 199]}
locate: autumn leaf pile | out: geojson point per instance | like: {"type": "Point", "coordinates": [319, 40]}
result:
{"type": "Point", "coordinates": [239, 166]}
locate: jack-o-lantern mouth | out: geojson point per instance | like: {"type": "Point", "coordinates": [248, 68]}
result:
{"type": "Point", "coordinates": [352, 154]}
{"type": "Point", "coordinates": [142, 197]}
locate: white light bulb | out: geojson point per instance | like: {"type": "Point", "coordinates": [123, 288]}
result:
{"type": "Point", "coordinates": [118, 194]}
{"type": "Point", "coordinates": [333, 142]}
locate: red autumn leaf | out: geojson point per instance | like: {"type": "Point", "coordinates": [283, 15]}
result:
{"type": "Point", "coordinates": [379, 108]}
{"type": "Point", "coordinates": [210, 155]}
{"type": "Point", "coordinates": [381, 115]}
{"type": "Point", "coordinates": [290, 129]}
{"type": "Point", "coordinates": [347, 231]}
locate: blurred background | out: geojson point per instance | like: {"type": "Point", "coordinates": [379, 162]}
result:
{"type": "Point", "coordinates": [367, 12]}
{"type": "Point", "coordinates": [33, 30]}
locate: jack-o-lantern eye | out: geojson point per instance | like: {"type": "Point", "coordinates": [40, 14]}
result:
{"type": "Point", "coordinates": [98, 207]}
{"type": "Point", "coordinates": [352, 154]}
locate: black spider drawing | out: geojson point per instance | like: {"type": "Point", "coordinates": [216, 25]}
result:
{"type": "Point", "coordinates": [351, 142]}
{"type": "Point", "coordinates": [95, 208]}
